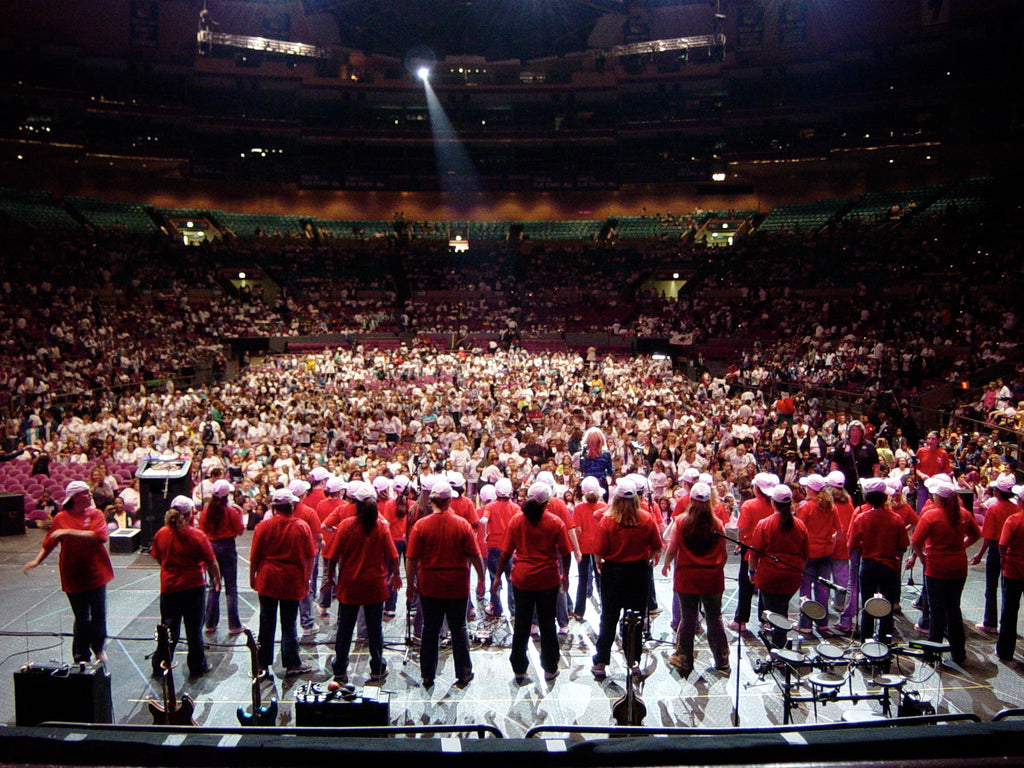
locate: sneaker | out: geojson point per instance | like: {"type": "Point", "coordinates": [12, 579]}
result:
{"type": "Point", "coordinates": [465, 680]}
{"type": "Point", "coordinates": [655, 611]}
{"type": "Point", "coordinates": [563, 630]}
{"type": "Point", "coordinates": [987, 629]}
{"type": "Point", "coordinates": [207, 667]}
{"type": "Point", "coordinates": [680, 662]}
{"type": "Point", "coordinates": [389, 614]}
{"type": "Point", "coordinates": [724, 669]}
{"type": "Point", "coordinates": [598, 671]}
{"type": "Point", "coordinates": [428, 682]}
{"type": "Point", "coordinates": [303, 669]}
{"type": "Point", "coordinates": [211, 630]}
{"type": "Point", "coordinates": [920, 628]}
{"type": "Point", "coordinates": [521, 678]}
{"type": "Point", "coordinates": [376, 677]}
{"type": "Point", "coordinates": [101, 658]}
{"type": "Point", "coordinates": [235, 630]}
{"type": "Point", "coordinates": [534, 631]}
{"type": "Point", "coordinates": [549, 676]}
{"type": "Point", "coordinates": [736, 626]}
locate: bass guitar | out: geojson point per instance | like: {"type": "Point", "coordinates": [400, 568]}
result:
{"type": "Point", "coordinates": [169, 712]}
{"type": "Point", "coordinates": [261, 715]}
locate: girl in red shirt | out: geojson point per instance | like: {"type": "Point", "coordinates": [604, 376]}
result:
{"type": "Point", "coordinates": [85, 570]}
{"type": "Point", "coordinates": [698, 548]}
{"type": "Point", "coordinates": [941, 538]}
{"type": "Point", "coordinates": [221, 521]}
{"type": "Point", "coordinates": [538, 539]}
{"type": "Point", "coordinates": [991, 529]}
{"type": "Point", "coordinates": [818, 514]}
{"type": "Point", "coordinates": [778, 577]}
{"type": "Point", "coordinates": [585, 516]}
{"type": "Point", "coordinates": [366, 555]}
{"type": "Point", "coordinates": [183, 553]}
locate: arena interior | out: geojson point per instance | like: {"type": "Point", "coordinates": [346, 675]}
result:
{"type": "Point", "coordinates": [420, 240]}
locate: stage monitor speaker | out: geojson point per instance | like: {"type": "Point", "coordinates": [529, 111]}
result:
{"type": "Point", "coordinates": [316, 707]}
{"type": "Point", "coordinates": [12, 514]}
{"type": "Point", "coordinates": [76, 694]}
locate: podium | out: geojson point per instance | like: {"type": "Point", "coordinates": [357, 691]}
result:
{"type": "Point", "coordinates": [160, 480]}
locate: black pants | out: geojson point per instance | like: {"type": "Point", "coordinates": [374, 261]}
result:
{"type": "Point", "coordinates": [1007, 642]}
{"type": "Point", "coordinates": [175, 607]}
{"type": "Point", "coordinates": [623, 587]}
{"type": "Point", "coordinates": [946, 619]}
{"type": "Point", "coordinates": [90, 630]}
{"type": "Point", "coordinates": [544, 601]}
{"type": "Point", "coordinates": [744, 595]}
{"type": "Point", "coordinates": [877, 578]}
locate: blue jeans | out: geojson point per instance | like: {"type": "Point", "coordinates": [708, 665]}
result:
{"type": "Point", "coordinates": [306, 617]}
{"type": "Point", "coordinates": [227, 561]}
{"type": "Point", "coordinates": [392, 601]}
{"type": "Point", "coordinates": [374, 635]}
{"type": "Point", "coordinates": [745, 593]}
{"type": "Point", "coordinates": [1007, 642]}
{"type": "Point", "coordinates": [185, 605]}
{"type": "Point", "coordinates": [544, 602]}
{"type": "Point", "coordinates": [289, 634]}
{"type": "Point", "coordinates": [811, 587]}
{"type": "Point", "coordinates": [853, 590]}
{"type": "Point", "coordinates": [492, 568]}
{"type": "Point", "coordinates": [435, 611]}
{"type": "Point", "coordinates": [993, 571]}
{"type": "Point", "coordinates": [90, 629]}
{"type": "Point", "coordinates": [583, 588]}
{"type": "Point", "coordinates": [946, 619]}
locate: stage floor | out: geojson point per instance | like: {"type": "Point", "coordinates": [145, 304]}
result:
{"type": "Point", "coordinates": [35, 624]}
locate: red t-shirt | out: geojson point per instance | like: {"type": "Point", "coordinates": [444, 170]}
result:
{"type": "Point", "coordinates": [396, 524]}
{"type": "Point", "coordinates": [845, 511]}
{"type": "Point", "coordinates": [752, 512]}
{"type": "Point", "coordinates": [281, 556]}
{"type": "Point", "coordinates": [682, 504]}
{"type": "Point", "coordinates": [465, 509]}
{"type": "Point", "coordinates": [537, 548]}
{"type": "Point", "coordinates": [84, 563]}
{"type": "Point", "coordinates": [791, 547]}
{"type": "Point", "coordinates": [931, 462]}
{"type": "Point", "coordinates": [323, 511]}
{"type": "Point", "coordinates": [556, 507]}
{"type": "Point", "coordinates": [945, 545]}
{"type": "Point", "coordinates": [229, 527]}
{"type": "Point", "coordinates": [314, 497]}
{"type": "Point", "coordinates": [443, 543]}
{"type": "Point", "coordinates": [905, 513]}
{"type": "Point", "coordinates": [995, 517]}
{"type": "Point", "coordinates": [309, 517]}
{"type": "Point", "coordinates": [362, 561]}
{"type": "Point", "coordinates": [182, 554]}
{"type": "Point", "coordinates": [695, 574]}
{"type": "Point", "coordinates": [498, 513]}
{"type": "Point", "coordinates": [822, 528]}
{"type": "Point", "coordinates": [880, 535]}
{"type": "Point", "coordinates": [627, 544]}
{"type": "Point", "coordinates": [585, 515]}
{"type": "Point", "coordinates": [1012, 542]}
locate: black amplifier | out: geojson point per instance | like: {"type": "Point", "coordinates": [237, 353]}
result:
{"type": "Point", "coordinates": [78, 694]}
{"type": "Point", "coordinates": [317, 707]}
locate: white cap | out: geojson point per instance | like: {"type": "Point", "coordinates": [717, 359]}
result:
{"type": "Point", "coordinates": [222, 488]}
{"type": "Point", "coordinates": [836, 479]}
{"type": "Point", "coordinates": [874, 485]}
{"type": "Point", "coordinates": [281, 496]}
{"type": "Point", "coordinates": [299, 487]}
{"type": "Point", "coordinates": [182, 504]}
{"type": "Point", "coordinates": [765, 482]}
{"type": "Point", "coordinates": [1004, 483]}
{"type": "Point", "coordinates": [813, 481]}
{"type": "Point", "coordinates": [624, 489]}
{"type": "Point", "coordinates": [381, 484]}
{"type": "Point", "coordinates": [642, 486]}
{"type": "Point", "coordinates": [591, 484]}
{"type": "Point", "coordinates": [939, 487]}
{"type": "Point", "coordinates": [75, 487]}
{"type": "Point", "coordinates": [456, 480]}
{"type": "Point", "coordinates": [690, 475]}
{"type": "Point", "coordinates": [700, 492]}
{"type": "Point", "coordinates": [440, 490]}
{"type": "Point", "coordinates": [401, 483]}
{"type": "Point", "coordinates": [706, 478]}
{"type": "Point", "coordinates": [335, 484]}
{"type": "Point", "coordinates": [361, 491]}
{"type": "Point", "coordinates": [487, 494]}
{"type": "Point", "coordinates": [781, 494]}
{"type": "Point", "coordinates": [503, 488]}
{"type": "Point", "coordinates": [539, 491]}
{"type": "Point", "coordinates": [547, 478]}
{"type": "Point", "coordinates": [318, 474]}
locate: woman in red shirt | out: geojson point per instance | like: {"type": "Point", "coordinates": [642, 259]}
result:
{"type": "Point", "coordinates": [991, 529]}
{"type": "Point", "coordinates": [585, 516]}
{"type": "Point", "coordinates": [818, 514]}
{"type": "Point", "coordinates": [1011, 555]}
{"type": "Point", "coordinates": [279, 565]}
{"type": "Point", "coordinates": [626, 545]}
{"type": "Point", "coordinates": [537, 539]}
{"type": "Point", "coordinates": [221, 521]}
{"type": "Point", "coordinates": [183, 552]}
{"type": "Point", "coordinates": [81, 531]}
{"type": "Point", "coordinates": [698, 547]}
{"type": "Point", "coordinates": [778, 577]}
{"type": "Point", "coordinates": [366, 554]}
{"type": "Point", "coordinates": [941, 538]}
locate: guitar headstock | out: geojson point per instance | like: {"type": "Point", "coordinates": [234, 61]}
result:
{"type": "Point", "coordinates": [257, 672]}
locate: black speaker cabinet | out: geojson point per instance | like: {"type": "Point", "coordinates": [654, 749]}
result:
{"type": "Point", "coordinates": [75, 694]}
{"type": "Point", "coordinates": [158, 485]}
{"type": "Point", "coordinates": [316, 707]}
{"type": "Point", "coordinates": [12, 514]}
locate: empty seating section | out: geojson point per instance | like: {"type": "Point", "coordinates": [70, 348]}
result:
{"type": "Point", "coordinates": [802, 216]}
{"type": "Point", "coordinates": [36, 209]}
{"type": "Point", "coordinates": [105, 214]}
{"type": "Point", "coordinates": [263, 224]}
{"type": "Point", "coordinates": [875, 206]}
{"type": "Point", "coordinates": [968, 195]}
{"type": "Point", "coordinates": [354, 229]}
{"type": "Point", "coordinates": [648, 228]}
{"type": "Point", "coordinates": [561, 230]}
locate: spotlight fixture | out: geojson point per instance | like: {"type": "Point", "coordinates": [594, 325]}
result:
{"type": "Point", "coordinates": [423, 73]}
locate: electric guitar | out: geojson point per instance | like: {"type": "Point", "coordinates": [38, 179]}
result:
{"type": "Point", "coordinates": [630, 709]}
{"type": "Point", "coordinates": [260, 715]}
{"type": "Point", "coordinates": [170, 712]}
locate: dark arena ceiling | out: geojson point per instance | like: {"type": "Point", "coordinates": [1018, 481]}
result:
{"type": "Point", "coordinates": [495, 29]}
